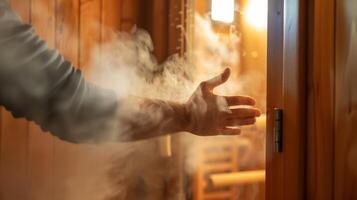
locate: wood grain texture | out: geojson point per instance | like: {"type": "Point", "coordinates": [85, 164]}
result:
{"type": "Point", "coordinates": [14, 139]}
{"type": "Point", "coordinates": [131, 14]}
{"type": "Point", "coordinates": [345, 156]}
{"type": "Point", "coordinates": [274, 161]}
{"type": "Point", "coordinates": [90, 30]}
{"type": "Point", "coordinates": [158, 27]}
{"type": "Point", "coordinates": [67, 42]}
{"type": "Point", "coordinates": [35, 165]}
{"type": "Point", "coordinates": [321, 100]}
{"type": "Point", "coordinates": [41, 145]}
{"type": "Point", "coordinates": [294, 84]}
{"type": "Point", "coordinates": [111, 18]}
{"type": "Point", "coordinates": [286, 90]}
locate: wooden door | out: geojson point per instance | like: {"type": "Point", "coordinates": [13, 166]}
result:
{"type": "Point", "coordinates": [285, 176]}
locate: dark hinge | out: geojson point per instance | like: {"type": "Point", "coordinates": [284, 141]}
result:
{"type": "Point", "coordinates": [278, 130]}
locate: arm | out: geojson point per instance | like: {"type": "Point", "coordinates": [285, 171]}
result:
{"type": "Point", "coordinates": [38, 84]}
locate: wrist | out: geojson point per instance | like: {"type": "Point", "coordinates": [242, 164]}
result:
{"type": "Point", "coordinates": [182, 117]}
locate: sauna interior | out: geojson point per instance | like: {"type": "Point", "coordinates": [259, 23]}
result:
{"type": "Point", "coordinates": [297, 58]}
{"type": "Point", "coordinates": [231, 167]}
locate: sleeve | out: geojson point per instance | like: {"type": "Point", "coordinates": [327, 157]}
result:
{"type": "Point", "coordinates": [38, 84]}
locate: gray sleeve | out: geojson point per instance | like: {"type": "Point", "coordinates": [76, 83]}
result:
{"type": "Point", "coordinates": [38, 84]}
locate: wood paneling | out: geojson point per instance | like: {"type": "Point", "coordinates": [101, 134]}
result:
{"type": "Point", "coordinates": [41, 145]}
{"type": "Point", "coordinates": [67, 42]}
{"type": "Point", "coordinates": [36, 165]}
{"type": "Point", "coordinates": [321, 100]}
{"type": "Point", "coordinates": [111, 17]}
{"type": "Point", "coordinates": [345, 156]}
{"type": "Point", "coordinates": [90, 26]}
{"type": "Point", "coordinates": [14, 140]}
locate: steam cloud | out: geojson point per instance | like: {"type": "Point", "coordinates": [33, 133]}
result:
{"type": "Point", "coordinates": [126, 64]}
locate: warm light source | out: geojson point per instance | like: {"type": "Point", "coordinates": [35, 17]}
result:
{"type": "Point", "coordinates": [222, 10]}
{"type": "Point", "coordinates": [256, 13]}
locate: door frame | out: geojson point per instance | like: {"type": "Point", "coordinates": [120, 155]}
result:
{"type": "Point", "coordinates": [287, 66]}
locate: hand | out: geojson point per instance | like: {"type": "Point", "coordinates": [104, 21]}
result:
{"type": "Point", "coordinates": [210, 114]}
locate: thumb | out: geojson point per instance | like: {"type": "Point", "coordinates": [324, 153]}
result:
{"type": "Point", "coordinates": [218, 80]}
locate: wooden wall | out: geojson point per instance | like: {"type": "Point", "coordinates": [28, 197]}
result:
{"type": "Point", "coordinates": [36, 165]}
{"type": "Point", "coordinates": [332, 119]}
{"type": "Point", "coordinates": [346, 100]}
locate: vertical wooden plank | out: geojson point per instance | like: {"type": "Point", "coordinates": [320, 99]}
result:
{"type": "Point", "coordinates": [345, 100]}
{"type": "Point", "coordinates": [274, 161]}
{"type": "Point", "coordinates": [41, 144]}
{"type": "Point", "coordinates": [294, 122]}
{"type": "Point", "coordinates": [286, 90]}
{"type": "Point", "coordinates": [111, 18]}
{"type": "Point", "coordinates": [153, 16]}
{"type": "Point", "coordinates": [176, 45]}
{"type": "Point", "coordinates": [321, 100]}
{"type": "Point", "coordinates": [67, 32]}
{"type": "Point", "coordinates": [176, 27]}
{"type": "Point", "coordinates": [90, 30]}
{"type": "Point", "coordinates": [15, 139]}
{"type": "Point", "coordinates": [89, 157]}
{"type": "Point", "coordinates": [131, 12]}
{"type": "Point", "coordinates": [159, 29]}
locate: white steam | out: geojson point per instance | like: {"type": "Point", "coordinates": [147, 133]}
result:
{"type": "Point", "coordinates": [127, 65]}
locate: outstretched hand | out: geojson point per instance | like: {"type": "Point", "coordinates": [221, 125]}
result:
{"type": "Point", "coordinates": [211, 114]}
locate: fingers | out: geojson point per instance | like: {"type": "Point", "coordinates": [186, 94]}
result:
{"type": "Point", "coordinates": [243, 113]}
{"type": "Point", "coordinates": [239, 122]}
{"type": "Point", "coordinates": [240, 100]}
{"type": "Point", "coordinates": [230, 131]}
{"type": "Point", "coordinates": [218, 80]}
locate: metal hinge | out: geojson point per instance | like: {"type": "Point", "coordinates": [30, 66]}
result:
{"type": "Point", "coordinates": [278, 130]}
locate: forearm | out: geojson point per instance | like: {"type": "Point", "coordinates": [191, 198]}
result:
{"type": "Point", "coordinates": [141, 118]}
{"type": "Point", "coordinates": [38, 84]}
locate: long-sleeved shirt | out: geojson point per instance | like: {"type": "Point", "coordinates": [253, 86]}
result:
{"type": "Point", "coordinates": [37, 83]}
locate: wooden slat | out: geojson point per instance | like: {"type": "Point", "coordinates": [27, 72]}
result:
{"type": "Point", "coordinates": [274, 165]}
{"type": "Point", "coordinates": [218, 195]}
{"type": "Point", "coordinates": [90, 30]}
{"type": "Point", "coordinates": [237, 178]}
{"type": "Point", "coordinates": [345, 163]}
{"type": "Point", "coordinates": [89, 156]}
{"type": "Point", "coordinates": [159, 17]}
{"type": "Point", "coordinates": [65, 159]}
{"type": "Point", "coordinates": [111, 18]}
{"type": "Point", "coordinates": [321, 100]}
{"type": "Point", "coordinates": [41, 145]}
{"type": "Point", "coordinates": [176, 27]}
{"type": "Point", "coordinates": [294, 91]}
{"type": "Point", "coordinates": [14, 139]}
{"type": "Point", "coordinates": [132, 13]}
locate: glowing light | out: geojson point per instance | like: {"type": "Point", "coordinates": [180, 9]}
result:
{"type": "Point", "coordinates": [257, 13]}
{"type": "Point", "coordinates": [222, 10]}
